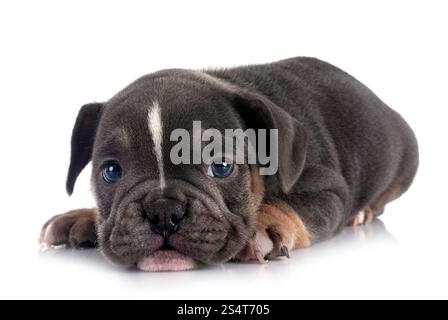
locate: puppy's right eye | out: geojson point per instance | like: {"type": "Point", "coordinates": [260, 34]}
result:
{"type": "Point", "coordinates": [111, 172]}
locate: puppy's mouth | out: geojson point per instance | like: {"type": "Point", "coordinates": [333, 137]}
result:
{"type": "Point", "coordinates": [166, 259]}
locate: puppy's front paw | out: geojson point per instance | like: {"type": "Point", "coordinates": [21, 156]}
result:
{"type": "Point", "coordinates": [75, 228]}
{"type": "Point", "coordinates": [279, 230]}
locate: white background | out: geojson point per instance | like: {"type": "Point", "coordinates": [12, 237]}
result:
{"type": "Point", "coordinates": [57, 55]}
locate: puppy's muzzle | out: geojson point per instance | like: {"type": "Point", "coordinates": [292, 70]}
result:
{"type": "Point", "coordinates": [164, 215]}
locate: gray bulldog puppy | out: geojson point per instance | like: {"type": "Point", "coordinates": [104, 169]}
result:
{"type": "Point", "coordinates": [342, 156]}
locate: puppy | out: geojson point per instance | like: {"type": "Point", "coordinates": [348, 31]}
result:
{"type": "Point", "coordinates": [342, 156]}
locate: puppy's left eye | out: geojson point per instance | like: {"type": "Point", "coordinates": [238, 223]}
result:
{"type": "Point", "coordinates": [111, 172]}
{"type": "Point", "coordinates": [220, 170]}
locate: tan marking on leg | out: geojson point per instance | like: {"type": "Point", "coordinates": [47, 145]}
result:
{"type": "Point", "coordinates": [284, 220]}
{"type": "Point", "coordinates": [278, 227]}
{"type": "Point", "coordinates": [279, 230]}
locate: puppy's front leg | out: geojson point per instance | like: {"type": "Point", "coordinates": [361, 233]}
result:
{"type": "Point", "coordinates": [75, 228]}
{"type": "Point", "coordinates": [314, 210]}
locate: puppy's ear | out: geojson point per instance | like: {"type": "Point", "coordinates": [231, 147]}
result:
{"type": "Point", "coordinates": [83, 136]}
{"type": "Point", "coordinates": [261, 113]}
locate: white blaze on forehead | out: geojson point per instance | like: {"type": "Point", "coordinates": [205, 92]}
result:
{"type": "Point", "coordinates": [156, 129]}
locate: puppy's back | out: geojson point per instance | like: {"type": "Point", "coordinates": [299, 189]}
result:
{"type": "Point", "coordinates": [351, 129]}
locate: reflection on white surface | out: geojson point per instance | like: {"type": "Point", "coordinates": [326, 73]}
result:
{"type": "Point", "coordinates": [361, 262]}
{"type": "Point", "coordinates": [357, 252]}
{"type": "Point", "coordinates": [352, 238]}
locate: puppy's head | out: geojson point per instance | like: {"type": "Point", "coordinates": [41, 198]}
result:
{"type": "Point", "coordinates": [156, 213]}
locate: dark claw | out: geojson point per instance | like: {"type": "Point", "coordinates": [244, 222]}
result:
{"type": "Point", "coordinates": [285, 251]}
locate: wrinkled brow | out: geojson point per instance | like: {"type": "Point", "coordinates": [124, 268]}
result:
{"type": "Point", "coordinates": [116, 143]}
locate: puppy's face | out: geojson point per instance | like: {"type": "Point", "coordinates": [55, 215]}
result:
{"type": "Point", "coordinates": [153, 213]}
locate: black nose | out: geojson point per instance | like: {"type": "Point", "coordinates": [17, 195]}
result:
{"type": "Point", "coordinates": [164, 215]}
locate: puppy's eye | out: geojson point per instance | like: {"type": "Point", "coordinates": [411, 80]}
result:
{"type": "Point", "coordinates": [220, 170]}
{"type": "Point", "coordinates": [111, 172]}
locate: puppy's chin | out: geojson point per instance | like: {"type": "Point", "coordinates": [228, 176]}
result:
{"type": "Point", "coordinates": [166, 260]}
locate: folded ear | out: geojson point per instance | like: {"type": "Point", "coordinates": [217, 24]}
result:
{"type": "Point", "coordinates": [260, 112]}
{"type": "Point", "coordinates": [83, 136]}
